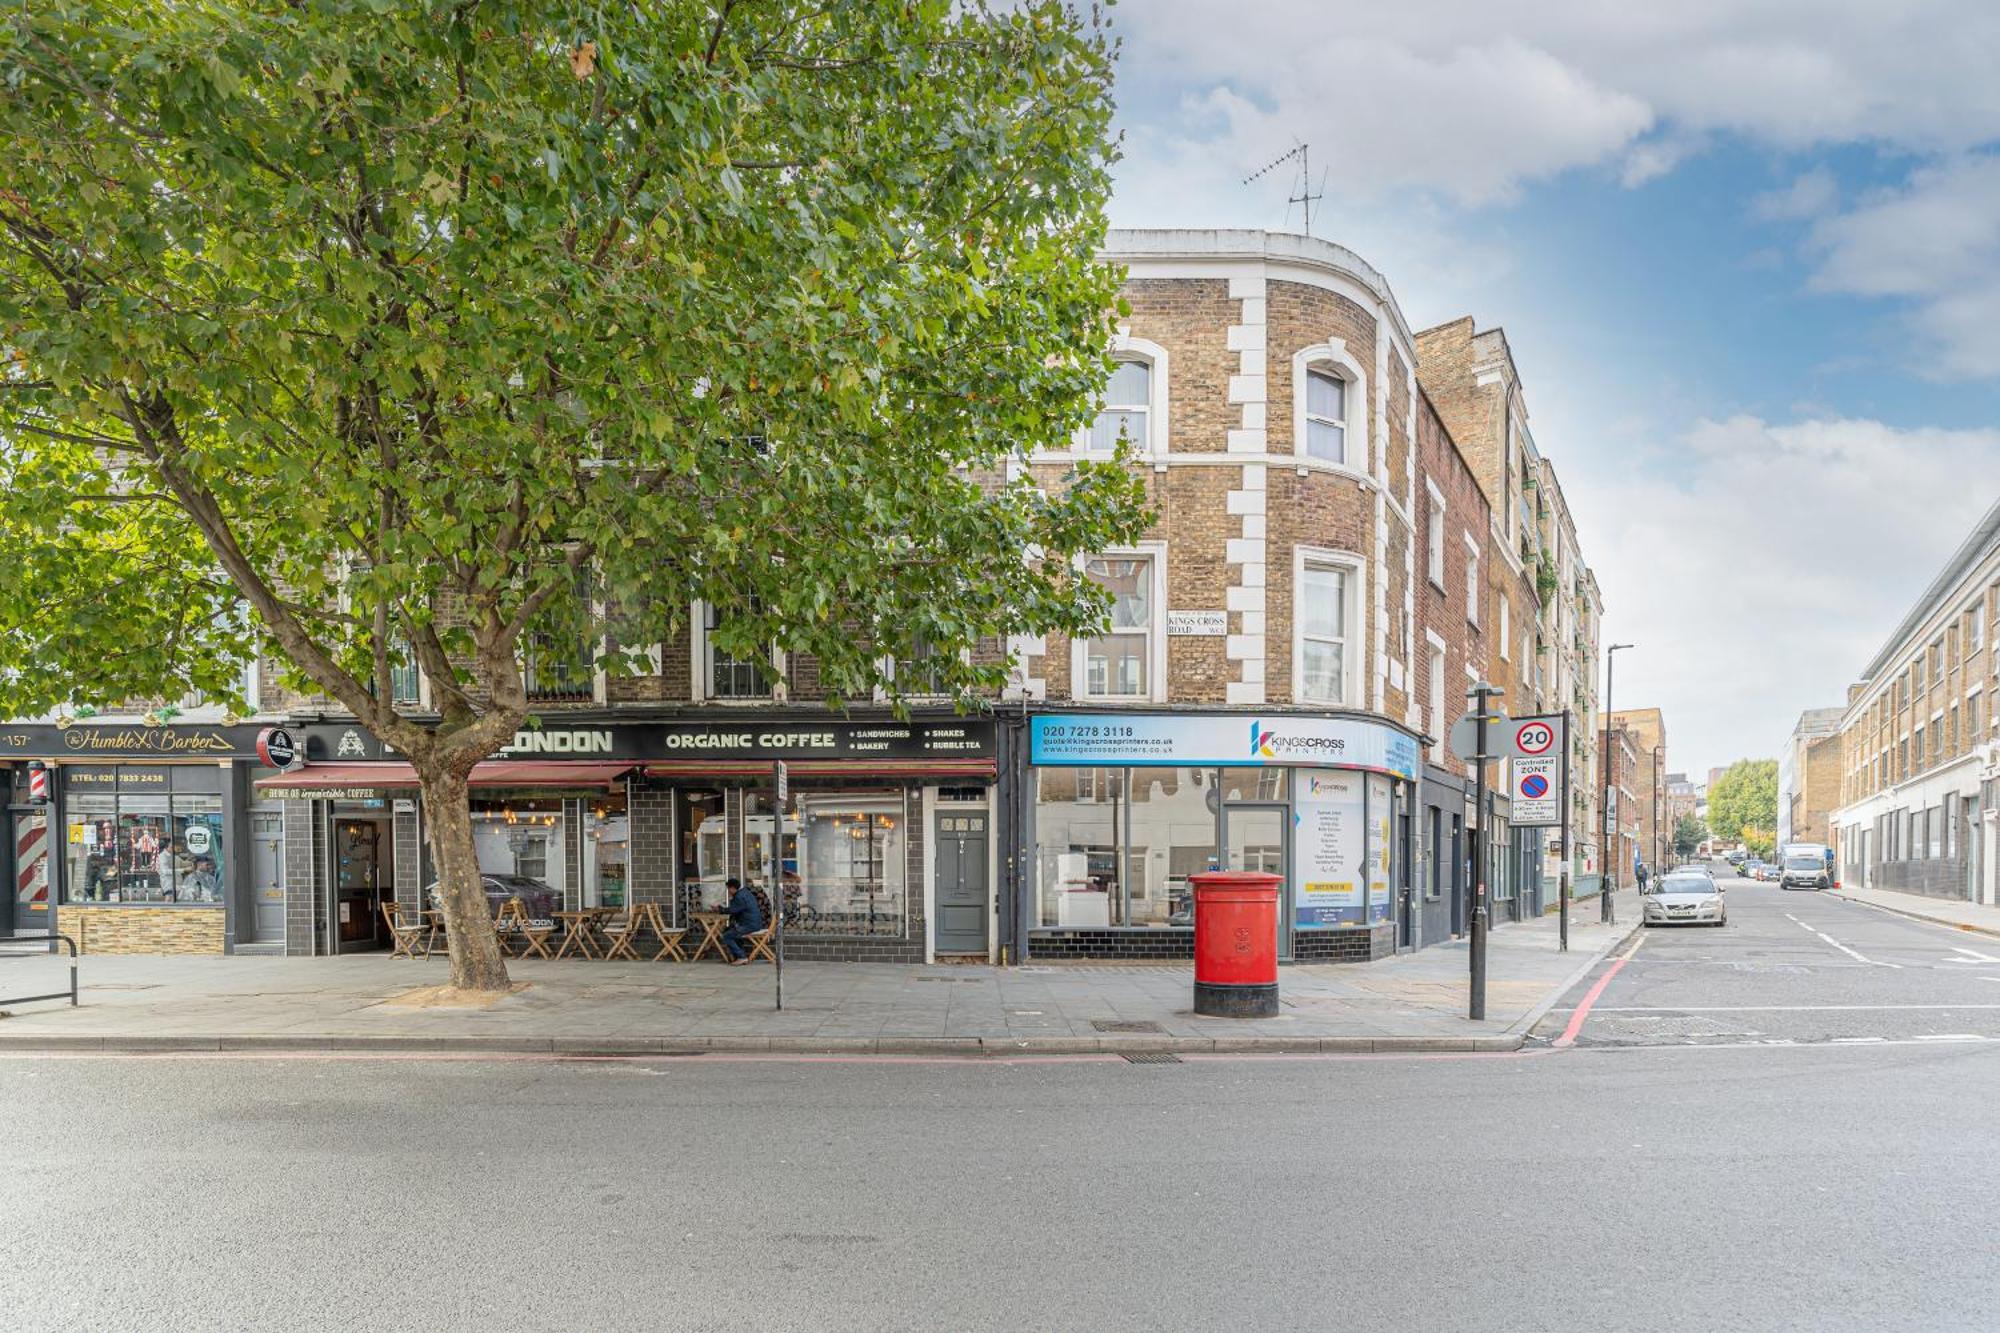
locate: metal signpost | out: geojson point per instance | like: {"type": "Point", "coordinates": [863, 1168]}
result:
{"type": "Point", "coordinates": [1539, 788]}
{"type": "Point", "coordinates": [780, 779]}
{"type": "Point", "coordinates": [1482, 719]}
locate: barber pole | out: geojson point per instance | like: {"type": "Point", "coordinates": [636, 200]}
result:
{"type": "Point", "coordinates": [31, 859]}
{"type": "Point", "coordinates": [38, 784]}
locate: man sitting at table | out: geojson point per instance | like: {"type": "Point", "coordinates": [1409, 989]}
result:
{"type": "Point", "coordinates": [746, 917]}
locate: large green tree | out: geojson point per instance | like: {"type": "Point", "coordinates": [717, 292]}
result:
{"type": "Point", "coordinates": [1688, 834]}
{"type": "Point", "coordinates": [1746, 795]}
{"type": "Point", "coordinates": [380, 333]}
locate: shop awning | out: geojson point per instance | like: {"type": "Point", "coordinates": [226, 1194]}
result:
{"type": "Point", "coordinates": [489, 773]}
{"type": "Point", "coordinates": [824, 768]}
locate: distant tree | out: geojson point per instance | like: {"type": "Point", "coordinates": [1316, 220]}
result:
{"type": "Point", "coordinates": [1760, 842]}
{"type": "Point", "coordinates": [1688, 835]}
{"type": "Point", "coordinates": [1745, 796]}
{"type": "Point", "coordinates": [487, 338]}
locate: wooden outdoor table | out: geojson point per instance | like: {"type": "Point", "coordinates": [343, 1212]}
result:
{"type": "Point", "coordinates": [576, 930]}
{"type": "Point", "coordinates": [712, 925]}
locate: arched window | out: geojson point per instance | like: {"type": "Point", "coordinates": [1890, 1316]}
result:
{"type": "Point", "coordinates": [1126, 410]}
{"type": "Point", "coordinates": [1326, 415]}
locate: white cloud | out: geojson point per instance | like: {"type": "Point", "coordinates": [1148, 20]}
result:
{"type": "Point", "coordinates": [1439, 95]}
{"type": "Point", "coordinates": [1808, 196]}
{"type": "Point", "coordinates": [1936, 244]}
{"type": "Point", "coordinates": [1762, 581]}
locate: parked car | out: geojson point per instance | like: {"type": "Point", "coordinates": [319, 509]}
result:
{"type": "Point", "coordinates": [1736, 858]}
{"type": "Point", "coordinates": [1684, 898]}
{"type": "Point", "coordinates": [539, 898]}
{"type": "Point", "coordinates": [1766, 872]}
{"type": "Point", "coordinates": [1749, 869]}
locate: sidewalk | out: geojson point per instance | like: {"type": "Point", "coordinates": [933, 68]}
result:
{"type": "Point", "coordinates": [1408, 1003]}
{"type": "Point", "coordinates": [1940, 911]}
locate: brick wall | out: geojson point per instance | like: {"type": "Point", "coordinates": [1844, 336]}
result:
{"type": "Point", "coordinates": [174, 930]}
{"type": "Point", "coordinates": [1442, 611]}
{"type": "Point", "coordinates": [303, 849]}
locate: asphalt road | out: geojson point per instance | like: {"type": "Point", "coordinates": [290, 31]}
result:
{"type": "Point", "coordinates": [1793, 966]}
{"type": "Point", "coordinates": [1810, 1187]}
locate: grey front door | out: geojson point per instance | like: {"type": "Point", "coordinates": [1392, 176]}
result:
{"type": "Point", "coordinates": [267, 877]}
{"type": "Point", "coordinates": [963, 906]}
{"type": "Point", "coordinates": [1254, 837]}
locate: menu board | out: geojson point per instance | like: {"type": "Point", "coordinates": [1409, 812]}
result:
{"type": "Point", "coordinates": [1379, 836]}
{"type": "Point", "coordinates": [1329, 853]}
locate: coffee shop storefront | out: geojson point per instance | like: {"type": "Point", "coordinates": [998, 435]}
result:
{"type": "Point", "coordinates": [139, 839]}
{"type": "Point", "coordinates": [1123, 808]}
{"type": "Point", "coordinates": [884, 849]}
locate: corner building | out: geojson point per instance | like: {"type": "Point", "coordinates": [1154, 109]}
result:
{"type": "Point", "coordinates": [1252, 704]}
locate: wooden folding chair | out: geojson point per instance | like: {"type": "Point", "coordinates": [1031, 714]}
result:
{"type": "Point", "coordinates": [759, 942]}
{"type": "Point", "coordinates": [407, 937]}
{"type": "Point", "coordinates": [670, 940]}
{"type": "Point", "coordinates": [533, 934]}
{"type": "Point", "coordinates": [620, 933]}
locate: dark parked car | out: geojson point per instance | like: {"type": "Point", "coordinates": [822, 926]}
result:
{"type": "Point", "coordinates": [537, 897]}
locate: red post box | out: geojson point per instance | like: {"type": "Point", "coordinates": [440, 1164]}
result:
{"type": "Point", "coordinates": [1235, 944]}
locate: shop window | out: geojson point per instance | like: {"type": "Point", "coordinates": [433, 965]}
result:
{"type": "Point", "coordinates": [850, 850]}
{"type": "Point", "coordinates": [699, 816]}
{"type": "Point", "coordinates": [519, 843]}
{"type": "Point", "coordinates": [1119, 664]}
{"type": "Point", "coordinates": [1079, 844]}
{"type": "Point", "coordinates": [131, 839]}
{"type": "Point", "coordinates": [1171, 837]}
{"type": "Point", "coordinates": [607, 851]}
{"type": "Point", "coordinates": [1256, 784]}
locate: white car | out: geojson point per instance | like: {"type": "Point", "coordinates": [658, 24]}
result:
{"type": "Point", "coordinates": [1684, 899]}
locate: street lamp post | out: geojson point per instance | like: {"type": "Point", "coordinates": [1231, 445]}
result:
{"type": "Point", "coordinates": [1610, 884]}
{"type": "Point", "coordinates": [1482, 696]}
{"type": "Point", "coordinates": [1659, 844]}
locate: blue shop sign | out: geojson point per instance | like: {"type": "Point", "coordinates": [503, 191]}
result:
{"type": "Point", "coordinates": [1226, 740]}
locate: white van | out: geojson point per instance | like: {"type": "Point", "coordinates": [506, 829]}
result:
{"type": "Point", "coordinates": [1805, 865]}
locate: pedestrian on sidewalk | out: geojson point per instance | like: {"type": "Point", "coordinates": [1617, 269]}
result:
{"type": "Point", "coordinates": [746, 917]}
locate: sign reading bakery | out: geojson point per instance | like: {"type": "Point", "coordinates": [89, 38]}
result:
{"type": "Point", "coordinates": [110, 740]}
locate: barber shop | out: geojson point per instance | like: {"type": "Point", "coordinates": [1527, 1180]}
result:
{"type": "Point", "coordinates": [1123, 808]}
{"type": "Point", "coordinates": [140, 839]}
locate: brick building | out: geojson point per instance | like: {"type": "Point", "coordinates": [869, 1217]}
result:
{"type": "Point", "coordinates": [1809, 774]}
{"type": "Point", "coordinates": [1649, 741]}
{"type": "Point", "coordinates": [1621, 760]}
{"type": "Point", "coordinates": [1920, 763]}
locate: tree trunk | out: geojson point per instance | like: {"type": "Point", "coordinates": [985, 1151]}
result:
{"type": "Point", "coordinates": [476, 960]}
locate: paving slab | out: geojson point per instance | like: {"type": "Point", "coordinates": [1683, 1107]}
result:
{"type": "Point", "coordinates": [1412, 1002]}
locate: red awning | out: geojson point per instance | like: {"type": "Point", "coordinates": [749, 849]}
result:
{"type": "Point", "coordinates": [490, 773]}
{"type": "Point", "coordinates": [824, 768]}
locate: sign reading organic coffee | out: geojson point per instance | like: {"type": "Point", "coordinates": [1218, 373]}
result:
{"type": "Point", "coordinates": [756, 736]}
{"type": "Point", "coordinates": [123, 741]}
{"type": "Point", "coordinates": [1227, 739]}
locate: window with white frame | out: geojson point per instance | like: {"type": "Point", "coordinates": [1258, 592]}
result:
{"type": "Point", "coordinates": [1119, 664]}
{"type": "Point", "coordinates": [1435, 544]}
{"type": "Point", "coordinates": [1471, 578]}
{"type": "Point", "coordinates": [1975, 631]}
{"type": "Point", "coordinates": [1437, 702]}
{"type": "Point", "coordinates": [1326, 416]}
{"type": "Point", "coordinates": [1322, 607]}
{"type": "Point", "coordinates": [1504, 628]}
{"type": "Point", "coordinates": [1126, 411]}
{"type": "Point", "coordinates": [724, 676]}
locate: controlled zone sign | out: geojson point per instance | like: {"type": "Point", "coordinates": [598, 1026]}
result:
{"type": "Point", "coordinates": [1537, 792]}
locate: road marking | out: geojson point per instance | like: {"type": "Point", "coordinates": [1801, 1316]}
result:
{"type": "Point", "coordinates": [1951, 1036]}
{"type": "Point", "coordinates": [1856, 1041]}
{"type": "Point", "coordinates": [1779, 1008]}
{"type": "Point", "coordinates": [1972, 956]}
{"type": "Point", "coordinates": [1576, 1021]}
{"type": "Point", "coordinates": [1857, 957]}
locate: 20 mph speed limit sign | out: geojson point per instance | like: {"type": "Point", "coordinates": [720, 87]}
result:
{"type": "Point", "coordinates": [1533, 738]}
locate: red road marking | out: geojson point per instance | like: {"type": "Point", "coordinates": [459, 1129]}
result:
{"type": "Point", "coordinates": [1568, 1038]}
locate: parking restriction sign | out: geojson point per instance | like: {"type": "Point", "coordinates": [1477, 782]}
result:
{"type": "Point", "coordinates": [1536, 793]}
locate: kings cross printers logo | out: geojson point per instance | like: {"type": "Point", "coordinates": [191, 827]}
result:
{"type": "Point", "coordinates": [1268, 744]}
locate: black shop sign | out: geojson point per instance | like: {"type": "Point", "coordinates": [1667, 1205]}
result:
{"type": "Point", "coordinates": [748, 737]}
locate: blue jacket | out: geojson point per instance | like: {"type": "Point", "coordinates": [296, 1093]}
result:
{"type": "Point", "coordinates": [745, 913]}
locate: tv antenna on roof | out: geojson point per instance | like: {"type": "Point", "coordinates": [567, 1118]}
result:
{"type": "Point", "coordinates": [1306, 196]}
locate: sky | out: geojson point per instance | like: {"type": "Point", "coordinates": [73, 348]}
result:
{"type": "Point", "coordinates": [1747, 256]}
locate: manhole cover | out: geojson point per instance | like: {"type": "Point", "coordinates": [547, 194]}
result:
{"type": "Point", "coordinates": [1121, 1025]}
{"type": "Point", "coordinates": [1152, 1058]}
